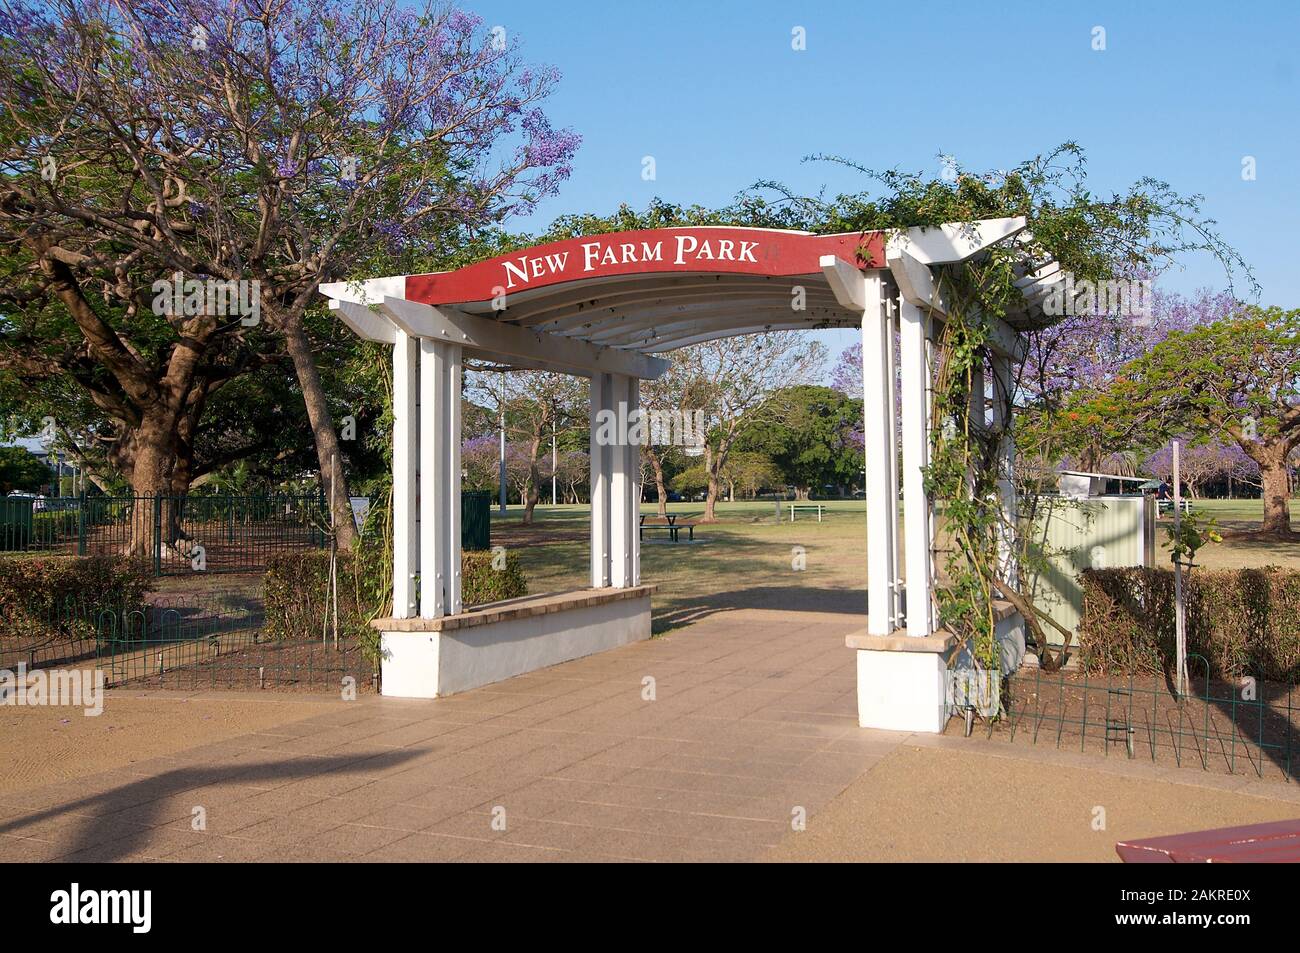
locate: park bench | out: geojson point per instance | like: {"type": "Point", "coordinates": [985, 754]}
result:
{"type": "Point", "coordinates": [672, 524]}
{"type": "Point", "coordinates": [1274, 842]}
{"type": "Point", "coordinates": [805, 508]}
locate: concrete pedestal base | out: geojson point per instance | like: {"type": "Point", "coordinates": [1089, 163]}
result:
{"type": "Point", "coordinates": [902, 681]}
{"type": "Point", "coordinates": [427, 658]}
{"type": "Point", "coordinates": [905, 682]}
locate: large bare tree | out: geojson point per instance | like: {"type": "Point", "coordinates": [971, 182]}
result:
{"type": "Point", "coordinates": [743, 374]}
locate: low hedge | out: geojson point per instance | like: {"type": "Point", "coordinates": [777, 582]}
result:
{"type": "Point", "coordinates": [1241, 621]}
{"type": "Point", "coordinates": [296, 592]}
{"type": "Point", "coordinates": [44, 596]}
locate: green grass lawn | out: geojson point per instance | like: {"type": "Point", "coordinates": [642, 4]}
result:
{"type": "Point", "coordinates": [1242, 516]}
{"type": "Point", "coordinates": [748, 559]}
{"type": "Point", "coordinates": [745, 560]}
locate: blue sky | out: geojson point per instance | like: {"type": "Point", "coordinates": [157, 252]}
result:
{"type": "Point", "coordinates": [713, 90]}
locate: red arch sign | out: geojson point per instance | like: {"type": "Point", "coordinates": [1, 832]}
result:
{"type": "Point", "coordinates": [722, 250]}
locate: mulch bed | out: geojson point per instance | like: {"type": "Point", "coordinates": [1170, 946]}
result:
{"type": "Point", "coordinates": [1214, 728]}
{"type": "Point", "coordinates": [298, 666]}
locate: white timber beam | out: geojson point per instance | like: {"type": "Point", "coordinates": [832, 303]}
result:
{"type": "Point", "coordinates": [917, 286]}
{"type": "Point", "coordinates": [847, 283]}
{"type": "Point", "coordinates": [365, 324]}
{"type": "Point", "coordinates": [484, 334]}
{"type": "Point", "coordinates": [727, 320]}
{"type": "Point", "coordinates": [954, 242]}
{"type": "Point", "coordinates": [684, 339]}
{"type": "Point", "coordinates": [365, 292]}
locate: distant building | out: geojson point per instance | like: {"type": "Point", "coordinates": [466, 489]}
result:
{"type": "Point", "coordinates": [1080, 484]}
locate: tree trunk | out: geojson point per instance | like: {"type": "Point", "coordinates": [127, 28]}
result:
{"type": "Point", "coordinates": [1277, 497]}
{"type": "Point", "coordinates": [328, 455]}
{"type": "Point", "coordinates": [150, 462]}
{"type": "Point", "coordinates": [530, 492]}
{"type": "Point", "coordinates": [661, 488]}
{"type": "Point", "coordinates": [714, 461]}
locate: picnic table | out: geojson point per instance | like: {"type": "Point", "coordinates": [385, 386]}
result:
{"type": "Point", "coordinates": [1277, 842]}
{"type": "Point", "coordinates": [669, 524]}
{"type": "Point", "coordinates": [808, 507]}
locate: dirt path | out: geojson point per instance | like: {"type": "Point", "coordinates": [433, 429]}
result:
{"type": "Point", "coordinates": [47, 744]}
{"type": "Point", "coordinates": [923, 803]}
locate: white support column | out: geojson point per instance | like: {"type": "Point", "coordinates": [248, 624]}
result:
{"type": "Point", "coordinates": [621, 480]}
{"type": "Point", "coordinates": [976, 413]}
{"type": "Point", "coordinates": [892, 404]}
{"type": "Point", "coordinates": [455, 356]}
{"type": "Point", "coordinates": [433, 479]}
{"type": "Point", "coordinates": [634, 452]}
{"type": "Point", "coordinates": [916, 448]}
{"type": "Point", "coordinates": [1001, 399]}
{"type": "Point", "coordinates": [439, 479]}
{"type": "Point", "coordinates": [406, 430]}
{"type": "Point", "coordinates": [878, 423]}
{"type": "Point", "coordinates": [601, 399]}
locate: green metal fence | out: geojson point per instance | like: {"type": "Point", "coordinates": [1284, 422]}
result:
{"type": "Point", "coordinates": [214, 640]}
{"type": "Point", "coordinates": [176, 534]}
{"type": "Point", "coordinates": [222, 645]}
{"type": "Point", "coordinates": [1223, 727]}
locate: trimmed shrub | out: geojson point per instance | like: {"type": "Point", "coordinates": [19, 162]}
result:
{"type": "Point", "coordinates": [43, 596]}
{"type": "Point", "coordinates": [481, 584]}
{"type": "Point", "coordinates": [296, 592]}
{"type": "Point", "coordinates": [1241, 621]}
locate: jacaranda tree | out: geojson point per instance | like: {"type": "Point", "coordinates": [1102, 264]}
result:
{"type": "Point", "coordinates": [272, 144]}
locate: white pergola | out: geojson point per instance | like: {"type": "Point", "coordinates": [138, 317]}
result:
{"type": "Point", "coordinates": [602, 307]}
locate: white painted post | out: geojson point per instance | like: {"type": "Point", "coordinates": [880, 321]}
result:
{"type": "Point", "coordinates": [455, 359]}
{"type": "Point", "coordinates": [634, 454]}
{"type": "Point", "coordinates": [878, 422]}
{"type": "Point", "coordinates": [621, 480]}
{"type": "Point", "coordinates": [406, 431]}
{"type": "Point", "coordinates": [891, 405]}
{"type": "Point", "coordinates": [916, 446]}
{"type": "Point", "coordinates": [601, 387]}
{"type": "Point", "coordinates": [433, 479]}
{"type": "Point", "coordinates": [976, 414]}
{"type": "Point", "coordinates": [1180, 631]}
{"type": "Point", "coordinates": [1002, 396]}
{"type": "Point", "coordinates": [440, 383]}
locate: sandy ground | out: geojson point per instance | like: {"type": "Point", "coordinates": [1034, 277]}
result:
{"type": "Point", "coordinates": [40, 745]}
{"type": "Point", "coordinates": [937, 804]}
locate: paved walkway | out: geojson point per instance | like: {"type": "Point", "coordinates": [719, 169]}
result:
{"type": "Point", "coordinates": [706, 743]}
{"type": "Point", "coordinates": [709, 743]}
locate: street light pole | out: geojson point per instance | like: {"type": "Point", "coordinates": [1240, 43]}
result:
{"type": "Point", "coordinates": [553, 462]}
